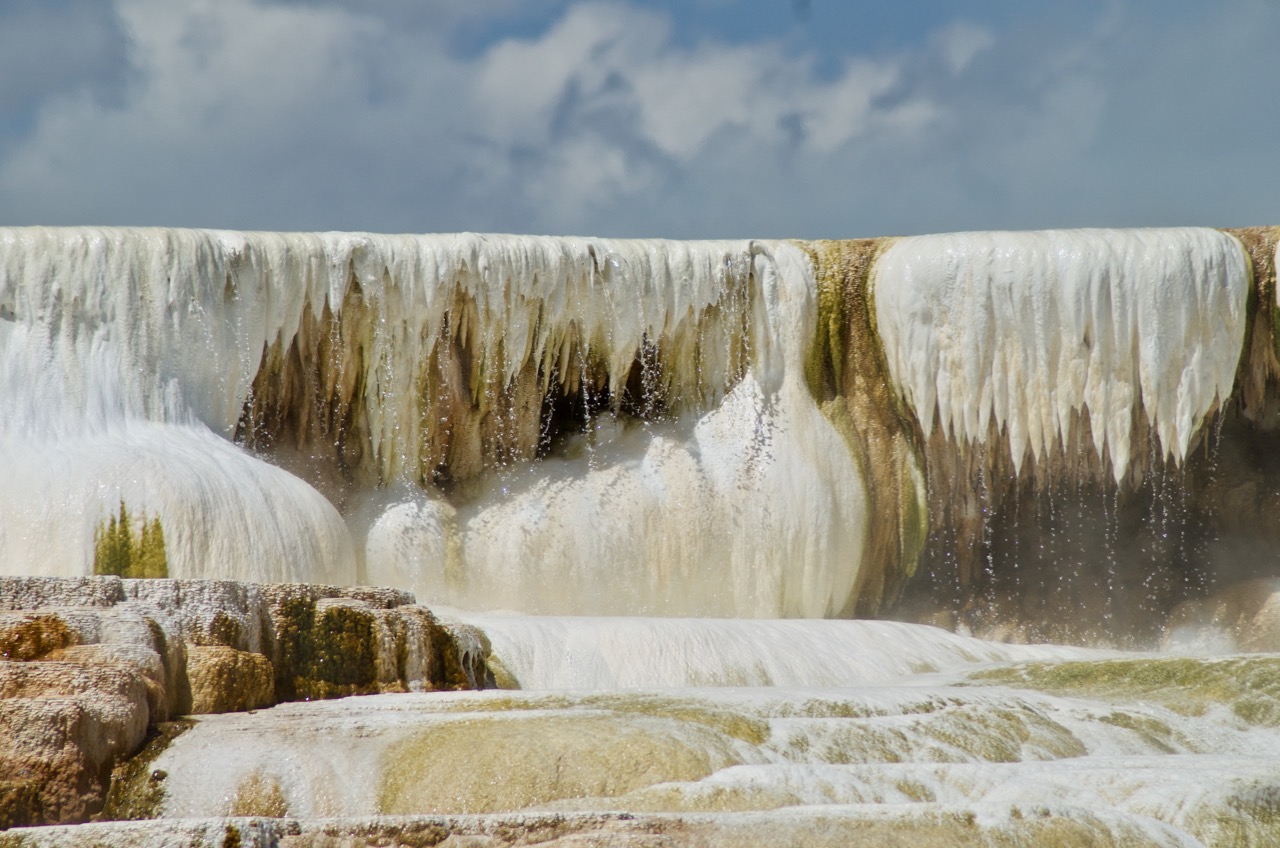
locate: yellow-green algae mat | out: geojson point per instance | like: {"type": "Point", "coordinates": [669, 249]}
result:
{"type": "Point", "coordinates": [1128, 751]}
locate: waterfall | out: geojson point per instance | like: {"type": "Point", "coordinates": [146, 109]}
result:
{"type": "Point", "coordinates": [556, 424]}
{"type": "Point", "coordinates": [569, 425]}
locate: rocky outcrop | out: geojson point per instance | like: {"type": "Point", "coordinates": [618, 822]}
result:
{"type": "Point", "coordinates": [224, 680]}
{"type": "Point", "coordinates": [1244, 617]}
{"type": "Point", "coordinates": [80, 683]}
{"type": "Point", "coordinates": [88, 665]}
{"type": "Point", "coordinates": [63, 725]}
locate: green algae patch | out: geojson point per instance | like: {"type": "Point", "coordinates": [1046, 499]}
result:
{"type": "Point", "coordinates": [942, 827]}
{"type": "Point", "coordinates": [332, 647]}
{"type": "Point", "coordinates": [225, 680]}
{"type": "Point", "coordinates": [848, 376]}
{"type": "Point", "coordinates": [742, 726]}
{"type": "Point", "coordinates": [840, 708]}
{"type": "Point", "coordinates": [737, 725]}
{"type": "Point", "coordinates": [1248, 686]}
{"type": "Point", "coordinates": [1002, 734]}
{"type": "Point", "coordinates": [697, 798]}
{"type": "Point", "coordinates": [452, 668]}
{"type": "Point", "coordinates": [20, 803]}
{"type": "Point", "coordinates": [1156, 734]}
{"type": "Point", "coordinates": [493, 764]}
{"type": "Point", "coordinates": [916, 791]}
{"type": "Point", "coordinates": [124, 547]}
{"type": "Point", "coordinates": [137, 790]}
{"type": "Point", "coordinates": [324, 653]}
{"type": "Point", "coordinates": [1249, 817]}
{"type": "Point", "coordinates": [1050, 830]}
{"type": "Point", "coordinates": [504, 703]}
{"type": "Point", "coordinates": [971, 733]}
{"type": "Point", "coordinates": [502, 676]}
{"type": "Point", "coordinates": [342, 652]}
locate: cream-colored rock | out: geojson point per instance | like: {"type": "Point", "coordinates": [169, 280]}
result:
{"type": "Point", "coordinates": [136, 635]}
{"type": "Point", "coordinates": [125, 633]}
{"type": "Point", "coordinates": [207, 612]}
{"type": "Point", "coordinates": [63, 725]}
{"type": "Point", "coordinates": [29, 593]}
{"type": "Point", "coordinates": [81, 684]}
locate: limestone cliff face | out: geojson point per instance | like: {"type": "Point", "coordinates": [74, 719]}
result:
{"type": "Point", "coordinates": [497, 421]}
{"type": "Point", "coordinates": [592, 426]}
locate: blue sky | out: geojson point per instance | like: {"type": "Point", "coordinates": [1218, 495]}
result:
{"type": "Point", "coordinates": [709, 118]}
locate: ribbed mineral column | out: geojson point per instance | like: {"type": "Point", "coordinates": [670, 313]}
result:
{"type": "Point", "coordinates": [848, 376]}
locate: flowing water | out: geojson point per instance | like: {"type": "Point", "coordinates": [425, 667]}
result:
{"type": "Point", "coordinates": [661, 477]}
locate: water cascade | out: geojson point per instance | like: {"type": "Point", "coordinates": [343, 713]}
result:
{"type": "Point", "coordinates": [651, 473]}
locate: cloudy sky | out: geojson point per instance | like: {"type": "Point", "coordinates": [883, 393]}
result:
{"type": "Point", "coordinates": [703, 118]}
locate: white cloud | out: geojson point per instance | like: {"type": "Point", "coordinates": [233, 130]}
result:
{"type": "Point", "coordinates": [615, 58]}
{"type": "Point", "coordinates": [57, 46]}
{"type": "Point", "coordinates": [233, 97]}
{"type": "Point", "coordinates": [961, 42]}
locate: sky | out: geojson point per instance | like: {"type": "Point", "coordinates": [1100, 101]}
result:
{"type": "Point", "coordinates": [695, 119]}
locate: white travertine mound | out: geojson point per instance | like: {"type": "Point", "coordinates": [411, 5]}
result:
{"type": "Point", "coordinates": [1163, 750]}
{"type": "Point", "coordinates": [752, 508]}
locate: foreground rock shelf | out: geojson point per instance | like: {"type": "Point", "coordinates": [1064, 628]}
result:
{"type": "Point", "coordinates": [903, 734]}
{"type": "Point", "coordinates": [89, 667]}
{"type": "Point", "coordinates": [833, 827]}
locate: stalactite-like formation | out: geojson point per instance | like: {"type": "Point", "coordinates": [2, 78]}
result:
{"type": "Point", "coordinates": [489, 419]}
{"type": "Point", "coordinates": [1063, 380]}
{"type": "Point", "coordinates": [1025, 332]}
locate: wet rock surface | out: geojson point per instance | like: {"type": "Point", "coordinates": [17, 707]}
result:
{"type": "Point", "coordinates": [225, 680]}
{"type": "Point", "coordinates": [1243, 617]}
{"type": "Point", "coordinates": [88, 665]}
